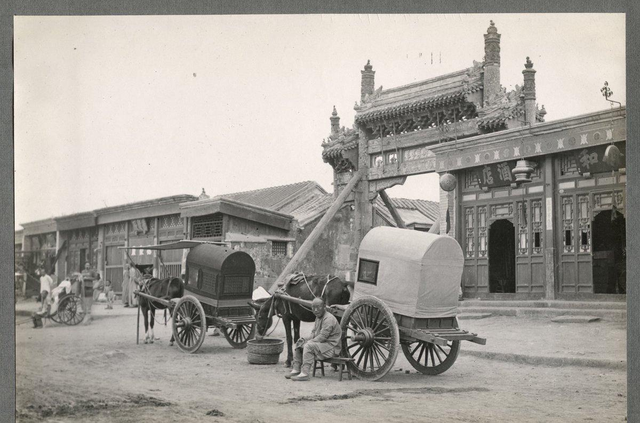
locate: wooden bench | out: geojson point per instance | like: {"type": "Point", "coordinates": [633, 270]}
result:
{"type": "Point", "coordinates": [339, 361]}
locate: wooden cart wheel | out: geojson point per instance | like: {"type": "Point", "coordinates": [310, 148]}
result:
{"type": "Point", "coordinates": [189, 324]}
{"type": "Point", "coordinates": [369, 336]}
{"type": "Point", "coordinates": [238, 338]}
{"type": "Point", "coordinates": [70, 310]}
{"type": "Point", "coordinates": [431, 359]}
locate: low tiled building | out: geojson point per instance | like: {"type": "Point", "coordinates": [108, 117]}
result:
{"type": "Point", "coordinates": [270, 224]}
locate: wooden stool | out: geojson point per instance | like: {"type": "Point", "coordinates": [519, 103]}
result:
{"type": "Point", "coordinates": [340, 361]}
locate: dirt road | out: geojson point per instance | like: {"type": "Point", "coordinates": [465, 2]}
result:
{"type": "Point", "coordinates": [97, 373]}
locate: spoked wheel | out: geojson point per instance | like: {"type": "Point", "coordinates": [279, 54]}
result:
{"type": "Point", "coordinates": [189, 324]}
{"type": "Point", "coordinates": [431, 359]}
{"type": "Point", "coordinates": [238, 337]}
{"type": "Point", "coordinates": [369, 336]}
{"type": "Point", "coordinates": [55, 317]}
{"type": "Point", "coordinates": [70, 310]}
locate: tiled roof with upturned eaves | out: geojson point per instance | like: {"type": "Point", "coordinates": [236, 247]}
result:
{"type": "Point", "coordinates": [419, 96]}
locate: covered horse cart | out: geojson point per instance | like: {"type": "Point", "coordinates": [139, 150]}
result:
{"type": "Point", "coordinates": [218, 284]}
{"type": "Point", "coordinates": [405, 296]}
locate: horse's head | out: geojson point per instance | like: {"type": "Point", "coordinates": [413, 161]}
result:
{"type": "Point", "coordinates": [337, 291]}
{"type": "Point", "coordinates": [263, 320]}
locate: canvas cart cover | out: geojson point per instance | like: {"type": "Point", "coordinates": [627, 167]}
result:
{"type": "Point", "coordinates": [417, 274]}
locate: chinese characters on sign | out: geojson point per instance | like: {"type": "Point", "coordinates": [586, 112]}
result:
{"type": "Point", "coordinates": [495, 175]}
{"type": "Point", "coordinates": [591, 160]}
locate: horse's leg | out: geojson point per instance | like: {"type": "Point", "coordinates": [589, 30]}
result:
{"type": "Point", "coordinates": [286, 322]}
{"type": "Point", "coordinates": [153, 320]}
{"type": "Point", "coordinates": [296, 328]}
{"type": "Point", "coordinates": [144, 310]}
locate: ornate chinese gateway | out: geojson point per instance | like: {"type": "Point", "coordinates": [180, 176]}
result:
{"type": "Point", "coordinates": [537, 206]}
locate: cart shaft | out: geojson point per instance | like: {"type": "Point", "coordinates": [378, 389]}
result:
{"type": "Point", "coordinates": [164, 302]}
{"type": "Point", "coordinates": [295, 300]}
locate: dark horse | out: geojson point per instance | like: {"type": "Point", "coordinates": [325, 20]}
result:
{"type": "Point", "coordinates": [331, 288]}
{"type": "Point", "coordinates": [165, 289]}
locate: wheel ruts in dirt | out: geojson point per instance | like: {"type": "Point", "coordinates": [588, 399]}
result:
{"type": "Point", "coordinates": [369, 336]}
{"type": "Point", "coordinates": [189, 324]}
{"type": "Point", "coordinates": [429, 358]}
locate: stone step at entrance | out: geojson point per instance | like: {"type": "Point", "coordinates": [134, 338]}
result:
{"type": "Point", "coordinates": [555, 304]}
{"type": "Point", "coordinates": [610, 314]}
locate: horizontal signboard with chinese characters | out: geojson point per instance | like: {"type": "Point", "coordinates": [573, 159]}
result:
{"type": "Point", "coordinates": [591, 160]}
{"type": "Point", "coordinates": [495, 174]}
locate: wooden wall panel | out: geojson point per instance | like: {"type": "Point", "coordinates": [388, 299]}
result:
{"type": "Point", "coordinates": [483, 275]}
{"type": "Point", "coordinates": [538, 275]}
{"type": "Point", "coordinates": [568, 274]}
{"type": "Point", "coordinates": [469, 277]}
{"type": "Point", "coordinates": [523, 274]}
{"type": "Point", "coordinates": [585, 283]}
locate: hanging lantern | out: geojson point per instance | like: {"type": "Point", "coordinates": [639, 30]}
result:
{"type": "Point", "coordinates": [612, 156]}
{"type": "Point", "coordinates": [522, 171]}
{"type": "Point", "coordinates": [448, 182]}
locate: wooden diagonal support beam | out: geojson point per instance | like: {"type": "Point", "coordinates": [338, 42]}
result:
{"type": "Point", "coordinates": [392, 209]}
{"type": "Point", "coordinates": [308, 244]}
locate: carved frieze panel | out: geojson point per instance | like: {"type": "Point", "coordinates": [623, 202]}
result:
{"type": "Point", "coordinates": [469, 231]}
{"type": "Point", "coordinates": [536, 226]}
{"type": "Point", "coordinates": [482, 231]}
{"type": "Point", "coordinates": [567, 224]}
{"type": "Point", "coordinates": [543, 139]}
{"type": "Point", "coordinates": [499, 211]}
{"type": "Point", "coordinates": [584, 223]}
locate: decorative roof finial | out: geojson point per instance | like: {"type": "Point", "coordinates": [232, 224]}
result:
{"type": "Point", "coordinates": [335, 112]}
{"type": "Point", "coordinates": [492, 28]}
{"type": "Point", "coordinates": [203, 195]}
{"type": "Point", "coordinates": [528, 64]}
{"type": "Point", "coordinates": [368, 66]}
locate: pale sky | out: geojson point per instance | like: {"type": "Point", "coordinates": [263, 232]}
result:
{"type": "Point", "coordinates": [113, 110]}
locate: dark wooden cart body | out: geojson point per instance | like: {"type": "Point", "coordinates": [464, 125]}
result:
{"type": "Point", "coordinates": [218, 286]}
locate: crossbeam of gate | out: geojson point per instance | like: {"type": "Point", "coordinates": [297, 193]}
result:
{"type": "Point", "coordinates": [308, 244]}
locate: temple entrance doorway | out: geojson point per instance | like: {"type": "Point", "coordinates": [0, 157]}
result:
{"type": "Point", "coordinates": [502, 257]}
{"type": "Point", "coordinates": [609, 253]}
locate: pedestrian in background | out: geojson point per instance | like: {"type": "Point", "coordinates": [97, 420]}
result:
{"type": "Point", "coordinates": [45, 298]}
{"type": "Point", "coordinates": [108, 292]}
{"type": "Point", "coordinates": [133, 285]}
{"type": "Point", "coordinates": [89, 276]}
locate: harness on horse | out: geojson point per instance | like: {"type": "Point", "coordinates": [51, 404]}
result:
{"type": "Point", "coordinates": [294, 280]}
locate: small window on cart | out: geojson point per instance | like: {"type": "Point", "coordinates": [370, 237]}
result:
{"type": "Point", "coordinates": [368, 271]}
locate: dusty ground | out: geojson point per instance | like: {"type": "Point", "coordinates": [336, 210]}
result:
{"type": "Point", "coordinates": [97, 373]}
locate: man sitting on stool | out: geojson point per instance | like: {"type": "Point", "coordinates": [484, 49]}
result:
{"type": "Point", "coordinates": [324, 343]}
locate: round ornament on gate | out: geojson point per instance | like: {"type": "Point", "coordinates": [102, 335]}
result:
{"type": "Point", "coordinates": [612, 156]}
{"type": "Point", "coordinates": [448, 182]}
